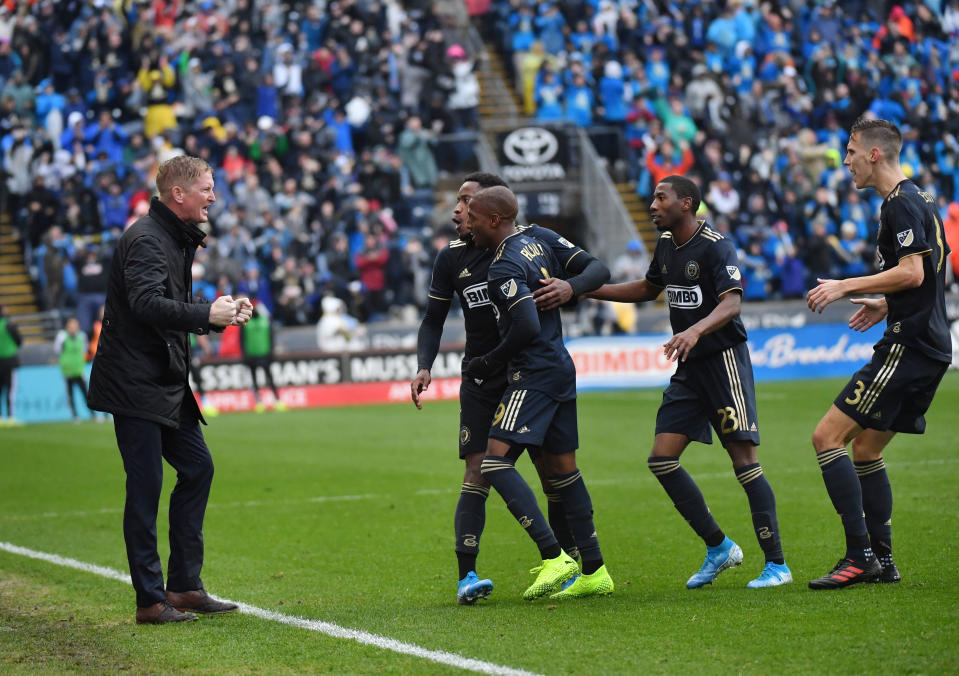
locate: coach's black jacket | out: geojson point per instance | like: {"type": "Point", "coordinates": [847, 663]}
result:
{"type": "Point", "coordinates": [142, 361]}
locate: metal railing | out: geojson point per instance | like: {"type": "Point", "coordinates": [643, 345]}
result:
{"type": "Point", "coordinates": [610, 223]}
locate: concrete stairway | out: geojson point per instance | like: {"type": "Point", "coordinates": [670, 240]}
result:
{"type": "Point", "coordinates": [639, 212]}
{"type": "Point", "coordinates": [16, 291]}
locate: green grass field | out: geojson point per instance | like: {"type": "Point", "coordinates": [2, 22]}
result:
{"type": "Point", "coordinates": [345, 516]}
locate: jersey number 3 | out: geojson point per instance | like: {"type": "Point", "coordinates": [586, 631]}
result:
{"type": "Point", "coordinates": [857, 393]}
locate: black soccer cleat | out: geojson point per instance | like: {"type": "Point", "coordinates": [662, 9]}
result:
{"type": "Point", "coordinates": [848, 572]}
{"type": "Point", "coordinates": [890, 573]}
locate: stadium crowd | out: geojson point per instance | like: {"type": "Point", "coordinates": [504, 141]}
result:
{"type": "Point", "coordinates": [753, 100]}
{"type": "Point", "coordinates": [321, 123]}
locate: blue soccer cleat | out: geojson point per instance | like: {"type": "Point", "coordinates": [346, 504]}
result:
{"type": "Point", "coordinates": [724, 555]}
{"type": "Point", "coordinates": [471, 588]}
{"type": "Point", "coordinates": [569, 583]}
{"type": "Point", "coordinates": [773, 575]}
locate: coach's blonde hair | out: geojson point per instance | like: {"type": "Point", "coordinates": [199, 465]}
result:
{"type": "Point", "coordinates": [181, 170]}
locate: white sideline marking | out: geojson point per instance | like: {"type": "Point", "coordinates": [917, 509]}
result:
{"type": "Point", "coordinates": [328, 628]}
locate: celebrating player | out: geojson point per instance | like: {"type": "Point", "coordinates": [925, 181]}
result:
{"type": "Point", "coordinates": [461, 268]}
{"type": "Point", "coordinates": [713, 383]}
{"type": "Point", "coordinates": [538, 408]}
{"type": "Point", "coordinates": [893, 391]}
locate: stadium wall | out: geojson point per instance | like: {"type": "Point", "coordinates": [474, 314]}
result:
{"type": "Point", "coordinates": [308, 379]}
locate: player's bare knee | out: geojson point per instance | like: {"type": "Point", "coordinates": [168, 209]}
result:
{"type": "Point", "coordinates": [742, 453]}
{"type": "Point", "coordinates": [823, 439]}
{"type": "Point", "coordinates": [561, 463]}
{"type": "Point", "coordinates": [473, 473]}
{"type": "Point", "coordinates": [863, 451]}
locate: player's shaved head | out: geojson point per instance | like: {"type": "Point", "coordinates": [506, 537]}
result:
{"type": "Point", "coordinates": [497, 200]}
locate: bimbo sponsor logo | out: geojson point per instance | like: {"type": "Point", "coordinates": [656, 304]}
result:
{"type": "Point", "coordinates": [686, 297]}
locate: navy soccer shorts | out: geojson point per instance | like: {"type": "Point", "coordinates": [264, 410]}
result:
{"type": "Point", "coordinates": [477, 405]}
{"type": "Point", "coordinates": [893, 391]}
{"type": "Point", "coordinates": [533, 419]}
{"type": "Point", "coordinates": [713, 391]}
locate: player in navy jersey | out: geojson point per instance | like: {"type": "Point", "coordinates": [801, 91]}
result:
{"type": "Point", "coordinates": [713, 383]}
{"type": "Point", "coordinates": [893, 391]}
{"type": "Point", "coordinates": [538, 408]}
{"type": "Point", "coordinates": [461, 268]}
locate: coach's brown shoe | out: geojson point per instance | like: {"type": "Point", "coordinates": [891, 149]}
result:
{"type": "Point", "coordinates": [162, 613]}
{"type": "Point", "coordinates": [199, 601]}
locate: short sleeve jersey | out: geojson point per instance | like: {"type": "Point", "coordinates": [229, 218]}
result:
{"type": "Point", "coordinates": [462, 268]}
{"type": "Point", "coordinates": [564, 250]}
{"type": "Point", "coordinates": [544, 364]}
{"type": "Point", "coordinates": [910, 225]}
{"type": "Point", "coordinates": [695, 277]}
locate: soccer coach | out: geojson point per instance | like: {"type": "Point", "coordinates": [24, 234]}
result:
{"type": "Point", "coordinates": [140, 376]}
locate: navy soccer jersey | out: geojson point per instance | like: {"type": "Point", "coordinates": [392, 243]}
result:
{"type": "Point", "coordinates": [520, 262]}
{"type": "Point", "coordinates": [463, 268]}
{"type": "Point", "coordinates": [695, 277]}
{"type": "Point", "coordinates": [910, 225]}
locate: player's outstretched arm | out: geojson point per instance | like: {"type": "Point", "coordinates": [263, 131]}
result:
{"type": "Point", "coordinates": [680, 345]}
{"type": "Point", "coordinates": [428, 345]}
{"type": "Point", "coordinates": [589, 274]}
{"type": "Point", "coordinates": [637, 291]}
{"type": "Point", "coordinates": [908, 274]}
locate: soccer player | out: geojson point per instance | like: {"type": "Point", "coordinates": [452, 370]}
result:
{"type": "Point", "coordinates": [713, 383]}
{"type": "Point", "coordinates": [538, 408]}
{"type": "Point", "coordinates": [461, 268]}
{"type": "Point", "coordinates": [893, 391]}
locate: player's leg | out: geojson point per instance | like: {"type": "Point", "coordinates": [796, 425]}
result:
{"type": "Point", "coordinates": [867, 458]}
{"type": "Point", "coordinates": [895, 402]}
{"type": "Point", "coordinates": [266, 363]}
{"type": "Point", "coordinates": [83, 393]}
{"type": "Point", "coordinates": [251, 365]}
{"type": "Point", "coordinates": [873, 398]}
{"type": "Point", "coordinates": [6, 385]}
{"type": "Point", "coordinates": [725, 383]}
{"type": "Point", "coordinates": [476, 410]}
{"type": "Point", "coordinates": [468, 524]}
{"type": "Point", "coordinates": [721, 551]}
{"type": "Point", "coordinates": [522, 419]}
{"type": "Point", "coordinates": [567, 480]}
{"type": "Point", "coordinates": [555, 509]}
{"type": "Point", "coordinates": [682, 418]}
{"type": "Point", "coordinates": [834, 431]}
{"type": "Point", "coordinates": [69, 382]}
{"type": "Point", "coordinates": [762, 507]}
